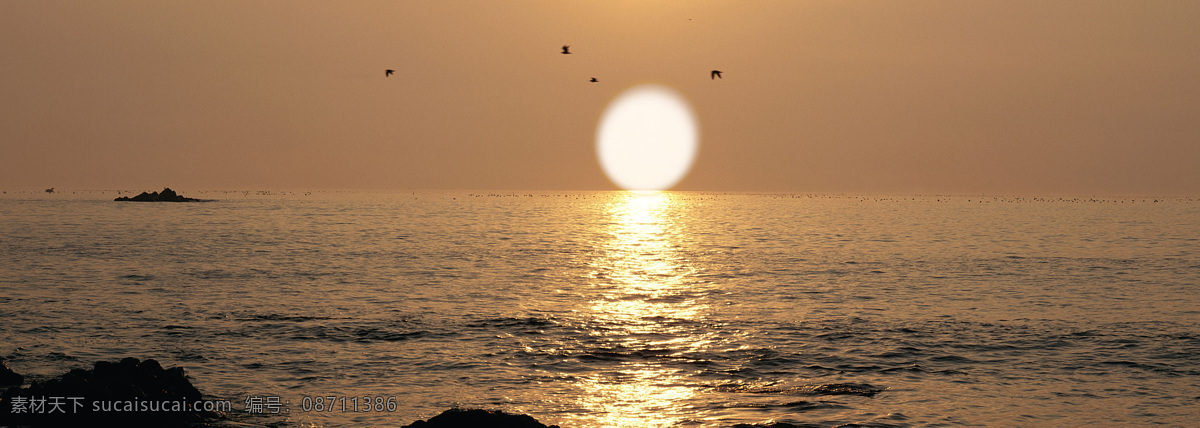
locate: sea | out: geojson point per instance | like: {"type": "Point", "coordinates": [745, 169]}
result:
{"type": "Point", "coordinates": [621, 309]}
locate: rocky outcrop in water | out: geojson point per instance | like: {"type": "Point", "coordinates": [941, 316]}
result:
{"type": "Point", "coordinates": [125, 393]}
{"type": "Point", "coordinates": [862, 389]}
{"type": "Point", "coordinates": [167, 195]}
{"type": "Point", "coordinates": [477, 418]}
{"type": "Point", "coordinates": [8, 376]}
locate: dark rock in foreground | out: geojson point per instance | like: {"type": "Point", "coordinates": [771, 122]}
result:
{"type": "Point", "coordinates": [127, 393]}
{"type": "Point", "coordinates": [478, 418]}
{"type": "Point", "coordinates": [167, 195]}
{"type": "Point", "coordinates": [9, 377]}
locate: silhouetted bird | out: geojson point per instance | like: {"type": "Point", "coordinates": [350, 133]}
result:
{"type": "Point", "coordinates": [388, 72]}
{"type": "Point", "coordinates": [716, 74]}
{"type": "Point", "coordinates": [593, 80]}
{"type": "Point", "coordinates": [566, 50]}
{"type": "Point", "coordinates": [50, 190]}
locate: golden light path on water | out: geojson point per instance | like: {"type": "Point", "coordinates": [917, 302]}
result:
{"type": "Point", "coordinates": [647, 310]}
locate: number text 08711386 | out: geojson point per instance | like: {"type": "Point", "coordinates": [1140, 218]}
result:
{"type": "Point", "coordinates": [333, 403]}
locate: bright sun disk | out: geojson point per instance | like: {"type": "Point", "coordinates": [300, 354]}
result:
{"type": "Point", "coordinates": [647, 138]}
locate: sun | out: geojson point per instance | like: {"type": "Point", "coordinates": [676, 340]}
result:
{"type": "Point", "coordinates": [647, 138]}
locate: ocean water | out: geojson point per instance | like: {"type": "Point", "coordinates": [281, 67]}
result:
{"type": "Point", "coordinates": [614, 309]}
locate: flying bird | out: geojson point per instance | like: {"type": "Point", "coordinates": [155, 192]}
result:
{"type": "Point", "coordinates": [716, 74]}
{"type": "Point", "coordinates": [566, 50]}
{"type": "Point", "coordinates": [388, 72]}
{"type": "Point", "coordinates": [593, 80]}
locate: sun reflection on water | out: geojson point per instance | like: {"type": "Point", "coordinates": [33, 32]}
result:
{"type": "Point", "coordinates": [646, 314]}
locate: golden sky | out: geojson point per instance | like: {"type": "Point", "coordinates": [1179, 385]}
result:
{"type": "Point", "coordinates": [882, 96]}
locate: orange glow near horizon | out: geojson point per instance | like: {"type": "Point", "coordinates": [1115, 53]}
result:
{"type": "Point", "coordinates": [948, 97]}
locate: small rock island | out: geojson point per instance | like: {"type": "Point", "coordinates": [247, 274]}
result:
{"type": "Point", "coordinates": [166, 195]}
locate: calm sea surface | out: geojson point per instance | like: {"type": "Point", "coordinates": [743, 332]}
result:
{"type": "Point", "coordinates": [611, 309]}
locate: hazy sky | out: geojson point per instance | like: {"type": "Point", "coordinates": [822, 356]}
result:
{"type": "Point", "coordinates": [890, 96]}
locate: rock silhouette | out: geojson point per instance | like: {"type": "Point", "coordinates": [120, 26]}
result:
{"type": "Point", "coordinates": [8, 376]}
{"type": "Point", "coordinates": [862, 389]}
{"type": "Point", "coordinates": [125, 393]}
{"type": "Point", "coordinates": [167, 195]}
{"type": "Point", "coordinates": [472, 418]}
